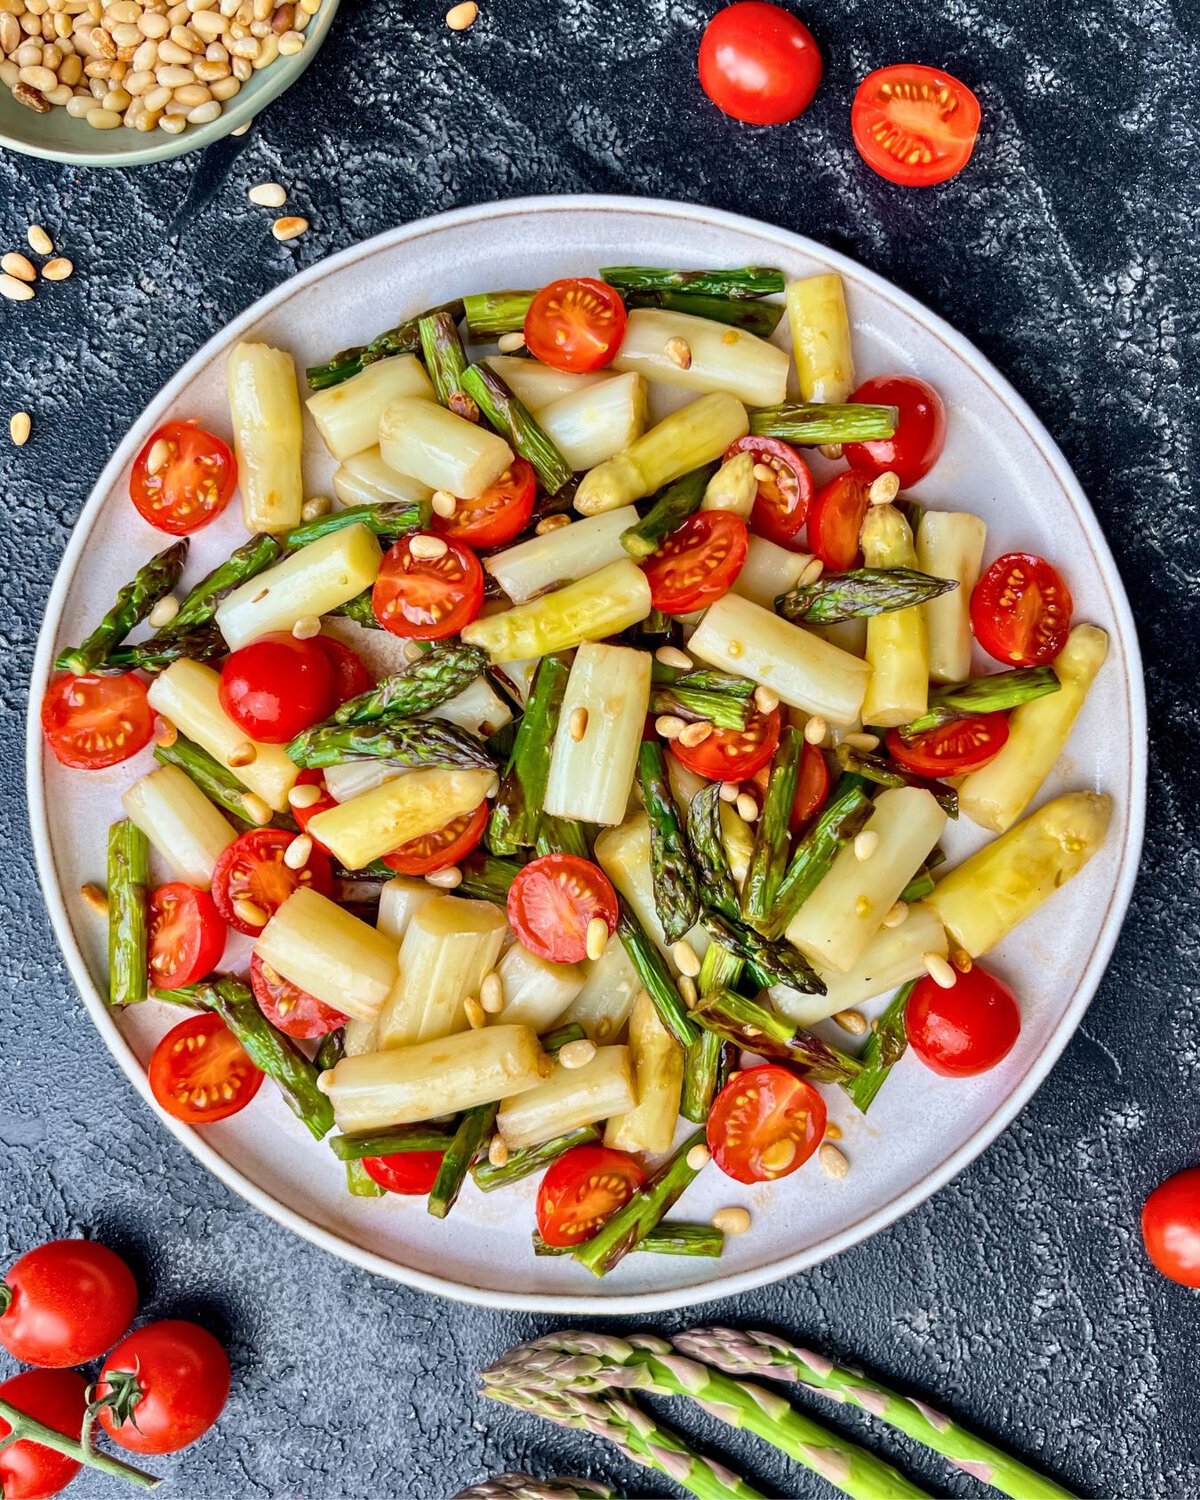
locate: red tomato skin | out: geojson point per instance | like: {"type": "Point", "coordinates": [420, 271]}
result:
{"type": "Point", "coordinates": [585, 1173]}
{"type": "Point", "coordinates": [873, 129]}
{"type": "Point", "coordinates": [271, 881]}
{"type": "Point", "coordinates": [58, 1399]}
{"type": "Point", "coordinates": [70, 698]}
{"type": "Point", "coordinates": [71, 1300]}
{"type": "Point", "coordinates": [718, 758]}
{"type": "Point", "coordinates": [697, 562]}
{"type": "Point", "coordinates": [920, 435]}
{"type": "Point", "coordinates": [980, 739]}
{"type": "Point", "coordinates": [289, 1008]}
{"type": "Point", "coordinates": [194, 448]}
{"type": "Point", "coordinates": [590, 313]}
{"type": "Point", "coordinates": [1006, 627]}
{"type": "Point", "coordinates": [779, 510]}
{"type": "Point", "coordinates": [305, 815]}
{"type": "Point", "coordinates": [411, 1174]}
{"type": "Point", "coordinates": [1171, 1227]}
{"type": "Point", "coordinates": [422, 599]}
{"type": "Point", "coordinates": [421, 857]}
{"type": "Point", "coordinates": [498, 515]}
{"type": "Point", "coordinates": [350, 673]}
{"type": "Point", "coordinates": [205, 935]}
{"type": "Point", "coordinates": [277, 687]}
{"type": "Point", "coordinates": [183, 1374]}
{"type": "Point", "coordinates": [769, 1090]}
{"type": "Point", "coordinates": [966, 1029]}
{"type": "Point", "coordinates": [812, 788]}
{"type": "Point", "coordinates": [836, 518]}
{"type": "Point", "coordinates": [578, 888]}
{"type": "Point", "coordinates": [758, 63]}
{"type": "Point", "coordinates": [165, 1064]}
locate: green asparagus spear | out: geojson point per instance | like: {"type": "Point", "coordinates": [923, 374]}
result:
{"type": "Point", "coordinates": [708, 852]}
{"type": "Point", "coordinates": [703, 680]}
{"type": "Point", "coordinates": [668, 1238]}
{"type": "Point", "coordinates": [745, 283]}
{"type": "Point", "coordinates": [331, 1050]}
{"type": "Point", "coordinates": [360, 1183]}
{"type": "Point", "coordinates": [842, 818]}
{"type": "Point", "coordinates": [200, 606]}
{"type": "Point", "coordinates": [859, 594]}
{"type": "Point", "coordinates": [655, 977]}
{"type": "Point", "coordinates": [885, 772]}
{"type": "Point", "coordinates": [687, 703]}
{"type": "Point", "coordinates": [517, 425]}
{"type": "Point", "coordinates": [563, 836]}
{"type": "Point", "coordinates": [984, 695]}
{"type": "Point", "coordinates": [669, 511]}
{"type": "Point", "coordinates": [390, 1142]}
{"type": "Point", "coordinates": [360, 609]}
{"type": "Point", "coordinates": [812, 423]}
{"type": "Point", "coordinates": [705, 1066]}
{"type": "Point", "coordinates": [152, 581]}
{"type": "Point", "coordinates": [757, 1028]}
{"type": "Point", "coordinates": [473, 1130]}
{"type": "Point", "coordinates": [648, 1206]}
{"type": "Point", "coordinates": [517, 810]}
{"type": "Point", "coordinates": [388, 521]}
{"type": "Point", "coordinates": [414, 743]}
{"type": "Point", "coordinates": [528, 1487]}
{"type": "Point", "coordinates": [445, 358]}
{"type": "Point", "coordinates": [553, 1042]}
{"type": "Point", "coordinates": [486, 877]}
{"type": "Point", "coordinates": [206, 643]}
{"type": "Point", "coordinates": [772, 834]}
{"type": "Point", "coordinates": [128, 881]}
{"type": "Point", "coordinates": [530, 1159]}
{"type": "Point", "coordinates": [885, 1047]}
{"type": "Point", "coordinates": [489, 314]}
{"type": "Point", "coordinates": [758, 318]}
{"type": "Point", "coordinates": [768, 960]}
{"type": "Point", "coordinates": [676, 889]}
{"type": "Point", "coordinates": [403, 339]}
{"type": "Point", "coordinates": [422, 685]}
{"type": "Point", "coordinates": [218, 783]}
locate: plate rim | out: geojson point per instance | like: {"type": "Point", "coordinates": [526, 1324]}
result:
{"type": "Point", "coordinates": [618, 1305]}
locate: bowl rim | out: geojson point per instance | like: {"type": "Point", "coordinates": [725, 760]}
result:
{"type": "Point", "coordinates": [694, 216]}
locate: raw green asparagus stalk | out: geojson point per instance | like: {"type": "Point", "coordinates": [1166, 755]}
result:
{"type": "Point", "coordinates": [152, 581]}
{"type": "Point", "coordinates": [772, 835]}
{"type": "Point", "coordinates": [528, 1487]}
{"type": "Point", "coordinates": [489, 314]}
{"type": "Point", "coordinates": [655, 977]}
{"type": "Point", "coordinates": [422, 685]}
{"type": "Point", "coordinates": [669, 511]}
{"type": "Point", "coordinates": [984, 695]}
{"type": "Point", "coordinates": [486, 877]}
{"type": "Point", "coordinates": [648, 1207]}
{"type": "Point", "coordinates": [360, 609]}
{"type": "Point", "coordinates": [693, 705]}
{"type": "Point", "coordinates": [360, 1183]}
{"type": "Point", "coordinates": [388, 521]}
{"type": "Point", "coordinates": [517, 425]}
{"type": "Point", "coordinates": [217, 782]}
{"type": "Point", "coordinates": [885, 1047]}
{"type": "Point", "coordinates": [668, 1238]}
{"type": "Point", "coordinates": [708, 851]}
{"type": "Point", "coordinates": [517, 811]}
{"type": "Point", "coordinates": [708, 1061]}
{"type": "Point", "coordinates": [200, 606]}
{"type": "Point", "coordinates": [676, 888]}
{"type": "Point", "coordinates": [488, 1177]}
{"type": "Point", "coordinates": [205, 643]}
{"type": "Point", "coordinates": [554, 1041]}
{"type": "Point", "coordinates": [588, 1364]}
{"type": "Point", "coordinates": [885, 772]}
{"type": "Point", "coordinates": [391, 1142]}
{"type": "Point", "coordinates": [811, 423]}
{"type": "Point", "coordinates": [768, 960]}
{"type": "Point", "coordinates": [860, 594]}
{"type": "Point", "coordinates": [843, 817]}
{"type": "Point", "coordinates": [473, 1131]}
{"type": "Point", "coordinates": [415, 743]}
{"type": "Point", "coordinates": [758, 318]}
{"type": "Point", "coordinates": [128, 881]}
{"type": "Point", "coordinates": [756, 1028]}
{"type": "Point", "coordinates": [445, 359]}
{"type": "Point", "coordinates": [769, 1357]}
{"type": "Point", "coordinates": [403, 339]}
{"type": "Point", "coordinates": [744, 283]}
{"type": "Point", "coordinates": [24, 1428]}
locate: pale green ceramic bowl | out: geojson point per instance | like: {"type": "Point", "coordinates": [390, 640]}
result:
{"type": "Point", "coordinates": [58, 137]}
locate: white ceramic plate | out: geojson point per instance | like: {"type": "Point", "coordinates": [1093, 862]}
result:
{"type": "Point", "coordinates": [999, 461]}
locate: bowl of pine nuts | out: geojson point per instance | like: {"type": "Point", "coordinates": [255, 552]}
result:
{"type": "Point", "coordinates": [120, 83]}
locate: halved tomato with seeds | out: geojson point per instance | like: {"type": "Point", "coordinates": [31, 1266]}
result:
{"type": "Point", "coordinates": [582, 1190]}
{"type": "Point", "coordinates": [200, 1072]}
{"type": "Point", "coordinates": [91, 722]}
{"type": "Point", "coordinates": [950, 749]}
{"type": "Point", "coordinates": [914, 125]}
{"type": "Point", "coordinates": [444, 847]}
{"type": "Point", "coordinates": [193, 478]}
{"type": "Point", "coordinates": [425, 597]}
{"type": "Point", "coordinates": [732, 754]}
{"type": "Point", "coordinates": [1021, 610]}
{"type": "Point", "coordinates": [836, 518]}
{"type": "Point", "coordinates": [187, 935]}
{"type": "Point", "coordinates": [288, 1007]}
{"type": "Point", "coordinates": [496, 516]}
{"type": "Point", "coordinates": [251, 881]}
{"type": "Point", "coordinates": [697, 563]}
{"type": "Point", "coordinates": [576, 324]}
{"type": "Point", "coordinates": [553, 900]}
{"type": "Point", "coordinates": [782, 501]}
{"type": "Point", "coordinates": [764, 1124]}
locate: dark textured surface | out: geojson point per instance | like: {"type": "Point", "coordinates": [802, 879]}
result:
{"type": "Point", "coordinates": [1019, 1295]}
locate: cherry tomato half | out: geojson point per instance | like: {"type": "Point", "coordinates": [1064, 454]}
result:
{"type": "Point", "coordinates": [187, 935]}
{"type": "Point", "coordinates": [920, 435]}
{"type": "Point", "coordinates": [277, 687]}
{"type": "Point", "coordinates": [251, 870]}
{"type": "Point", "coordinates": [28, 1471]}
{"type": "Point", "coordinates": [575, 324]}
{"type": "Point", "coordinates": [836, 518]}
{"type": "Point", "coordinates": [553, 899]}
{"type": "Point", "coordinates": [732, 754]}
{"type": "Point", "coordinates": [966, 1029]}
{"type": "Point", "coordinates": [1171, 1227]}
{"type": "Point", "coordinates": [411, 1173]}
{"type": "Point", "coordinates": [812, 788]}
{"type": "Point", "coordinates": [288, 1007]}
{"type": "Point", "coordinates": [697, 562]}
{"type": "Point", "coordinates": [92, 722]}
{"type": "Point", "coordinates": [194, 477]}
{"type": "Point", "coordinates": [782, 501]}
{"type": "Point", "coordinates": [496, 516]}
{"type": "Point", "coordinates": [1021, 610]}
{"type": "Point", "coordinates": [914, 125]}
{"type": "Point", "coordinates": [324, 802]}
{"type": "Point", "coordinates": [166, 1385]}
{"type": "Point", "coordinates": [200, 1072]}
{"type": "Point", "coordinates": [950, 749]}
{"type": "Point", "coordinates": [759, 63]}
{"type": "Point", "coordinates": [444, 847]}
{"type": "Point", "coordinates": [350, 673]}
{"type": "Point", "coordinates": [764, 1124]}
{"type": "Point", "coordinates": [427, 598]}
{"type": "Point", "coordinates": [582, 1190]}
{"type": "Point", "coordinates": [68, 1301]}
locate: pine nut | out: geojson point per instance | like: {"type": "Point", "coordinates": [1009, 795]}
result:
{"type": "Point", "coordinates": [172, 124]}
{"type": "Point", "coordinates": [597, 938]}
{"type": "Point", "coordinates": [243, 129]}
{"type": "Point", "coordinates": [939, 971]}
{"type": "Point", "coordinates": [290, 43]}
{"type": "Point", "coordinates": [765, 700]}
{"type": "Point", "coordinates": [95, 897]}
{"type": "Point", "coordinates": [884, 489]}
{"type": "Point", "coordinates": [14, 290]}
{"type": "Point", "coordinates": [267, 194]}
{"type": "Point", "coordinates": [491, 993]}
{"type": "Point", "coordinates": [686, 986]}
{"type": "Point", "coordinates": [763, 473]}
{"type": "Point", "coordinates": [306, 627]}
{"type": "Point", "coordinates": [295, 856]}
{"type": "Point", "coordinates": [497, 1152]}
{"type": "Point", "coordinates": [731, 1220]}
{"type": "Point", "coordinates": [304, 796]}
{"type": "Point", "coordinates": [445, 880]}
{"type": "Point", "coordinates": [578, 723]}
{"type": "Point", "coordinates": [459, 17]}
{"type": "Point", "coordinates": [699, 1156]}
{"type": "Point", "coordinates": [509, 343]}
{"type": "Point", "coordinates": [424, 546]}
{"type": "Point", "coordinates": [577, 1054]}
{"type": "Point", "coordinates": [18, 265]}
{"type": "Point", "coordinates": [779, 1155]}
{"type": "Point", "coordinates": [39, 241]}
{"type": "Point", "coordinates": [412, 651]}
{"type": "Point", "coordinates": [695, 734]}
{"type": "Point", "coordinates": [852, 1021]}
{"type": "Point", "coordinates": [163, 612]}
{"type": "Point", "coordinates": [550, 523]}
{"type": "Point", "coordinates": [289, 227]}
{"type": "Point", "coordinates": [897, 915]}
{"type": "Point", "coordinates": [747, 807]}
{"type": "Point", "coordinates": [815, 730]}
{"type": "Point", "coordinates": [811, 571]}
{"type": "Point", "coordinates": [685, 958]}
{"type": "Point", "coordinates": [250, 913]}
{"type": "Point", "coordinates": [865, 845]}
{"type": "Point", "coordinates": [962, 960]}
{"type": "Point", "coordinates": [729, 791]}
{"type": "Point", "coordinates": [316, 507]}
{"type": "Point", "coordinates": [679, 352]}
{"type": "Point", "coordinates": [476, 1018]}
{"type": "Point", "coordinates": [672, 656]}
{"type": "Point", "coordinates": [670, 726]}
{"type": "Point", "coordinates": [20, 424]}
{"type": "Point", "coordinates": [242, 755]}
{"type": "Point", "coordinates": [833, 1162]}
{"type": "Point", "coordinates": [444, 504]}
{"type": "Point", "coordinates": [831, 451]}
{"type": "Point", "coordinates": [256, 809]}
{"type": "Point", "coordinates": [284, 19]}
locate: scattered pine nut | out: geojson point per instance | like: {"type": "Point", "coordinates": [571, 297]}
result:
{"type": "Point", "coordinates": [427, 546]}
{"type": "Point", "coordinates": [249, 912]}
{"type": "Point", "coordinates": [831, 451]}
{"type": "Point", "coordinates": [765, 699]}
{"type": "Point", "coordinates": [550, 523]}
{"type": "Point", "coordinates": [445, 880]}
{"type": "Point", "coordinates": [811, 571]}
{"type": "Point", "coordinates": [459, 17]}
{"type": "Point", "coordinates": [163, 612]}
{"type": "Point", "coordinates": [865, 844]}
{"type": "Point", "coordinates": [165, 733]}
{"type": "Point", "coordinates": [497, 1152]}
{"type": "Point", "coordinates": [15, 291]}
{"type": "Point", "coordinates": [295, 856]}
{"type": "Point", "coordinates": [763, 473]}
{"type": "Point", "coordinates": [686, 986]}
{"type": "Point", "coordinates": [412, 652]}
{"type": "Point", "coordinates": [729, 791]}
{"type": "Point", "coordinates": [290, 227]}
{"type": "Point", "coordinates": [491, 993]}
{"type": "Point", "coordinates": [315, 507]}
{"type": "Point", "coordinates": [578, 723]}
{"type": "Point", "coordinates": [731, 1220]}
{"type": "Point", "coordinates": [267, 194]}
{"type": "Point", "coordinates": [304, 796]}
{"type": "Point", "coordinates": [884, 489]}
{"type": "Point", "coordinates": [597, 938]}
{"type": "Point", "coordinates": [833, 1162]}
{"type": "Point", "coordinates": [695, 734]}
{"type": "Point", "coordinates": [39, 241]}
{"type": "Point", "coordinates": [779, 1155]}
{"type": "Point", "coordinates": [242, 129]}
{"type": "Point", "coordinates": [18, 265]}
{"type": "Point", "coordinates": [672, 656]}
{"type": "Point", "coordinates": [897, 915]}
{"type": "Point", "coordinates": [242, 755]}
{"type": "Point", "coordinates": [256, 809]}
{"type": "Point", "coordinates": [444, 504]}
{"type": "Point", "coordinates": [95, 897]}
{"type": "Point", "coordinates": [670, 726]}
{"type": "Point", "coordinates": [509, 343]}
{"type": "Point", "coordinates": [160, 454]}
{"type": "Point", "coordinates": [306, 627]}
{"type": "Point", "coordinates": [852, 1021]}
{"type": "Point", "coordinates": [863, 742]}
{"type": "Point", "coordinates": [679, 352]}
{"type": "Point", "coordinates": [685, 958]}
{"type": "Point", "coordinates": [20, 425]}
{"type": "Point", "coordinates": [699, 1156]}
{"type": "Point", "coordinates": [577, 1054]}
{"type": "Point", "coordinates": [476, 1018]}
{"type": "Point", "coordinates": [939, 971]}
{"type": "Point", "coordinates": [747, 806]}
{"type": "Point", "coordinates": [58, 269]}
{"type": "Point", "coordinates": [815, 730]}
{"type": "Point", "coordinates": [962, 960]}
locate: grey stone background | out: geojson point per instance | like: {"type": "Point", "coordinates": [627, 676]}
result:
{"type": "Point", "coordinates": [1067, 250]}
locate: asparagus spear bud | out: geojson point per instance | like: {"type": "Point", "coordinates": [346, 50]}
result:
{"type": "Point", "coordinates": [152, 582]}
{"type": "Point", "coordinates": [758, 318]}
{"type": "Point", "coordinates": [768, 960]}
{"type": "Point", "coordinates": [984, 695]}
{"type": "Point", "coordinates": [708, 852]}
{"type": "Point", "coordinates": [128, 879]}
{"type": "Point", "coordinates": [200, 606]}
{"type": "Point", "coordinates": [769, 1357]}
{"type": "Point", "coordinates": [488, 1177]}
{"type": "Point", "coordinates": [473, 1130]}
{"type": "Point", "coordinates": [388, 521]}
{"type": "Point", "coordinates": [205, 643]}
{"type": "Point", "coordinates": [486, 878]}
{"type": "Point", "coordinates": [517, 425]}
{"type": "Point", "coordinates": [403, 339]}
{"type": "Point", "coordinates": [489, 314]}
{"type": "Point", "coordinates": [517, 811]}
{"type": "Point", "coordinates": [703, 680]}
{"type": "Point", "coordinates": [720, 709]}
{"type": "Point", "coordinates": [655, 977]}
{"type": "Point", "coordinates": [672, 508]}
{"type": "Point", "coordinates": [527, 1487]}
{"type": "Point", "coordinates": [885, 1047]}
{"type": "Point", "coordinates": [676, 888]}
{"type": "Point", "coordinates": [360, 609]}
{"type": "Point", "coordinates": [668, 1238]}
{"type": "Point", "coordinates": [811, 422]}
{"type": "Point", "coordinates": [217, 782]}
{"type": "Point", "coordinates": [391, 1142]}
{"type": "Point", "coordinates": [648, 1206]}
{"type": "Point", "coordinates": [24, 1428]}
{"type": "Point", "coordinates": [772, 834]}
{"type": "Point", "coordinates": [757, 1029]}
{"type": "Point", "coordinates": [843, 817]}
{"type": "Point", "coordinates": [419, 742]}
{"type": "Point", "coordinates": [424, 684]}
{"type": "Point", "coordinates": [885, 772]}
{"type": "Point", "coordinates": [741, 284]}
{"type": "Point", "coordinates": [859, 594]}
{"type": "Point", "coordinates": [709, 1059]}
{"type": "Point", "coordinates": [444, 356]}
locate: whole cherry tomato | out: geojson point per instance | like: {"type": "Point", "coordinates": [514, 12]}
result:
{"type": "Point", "coordinates": [163, 1387]}
{"type": "Point", "coordinates": [1171, 1227]}
{"type": "Point", "coordinates": [965, 1029]}
{"type": "Point", "coordinates": [65, 1303]}
{"type": "Point", "coordinates": [759, 63]}
{"type": "Point", "coordinates": [278, 686]}
{"type": "Point", "coordinates": [920, 435]}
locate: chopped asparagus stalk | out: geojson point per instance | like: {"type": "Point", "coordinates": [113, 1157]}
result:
{"type": "Point", "coordinates": [708, 851]}
{"type": "Point", "coordinates": [885, 1047]}
{"type": "Point", "coordinates": [128, 881]}
{"type": "Point", "coordinates": [672, 508]}
{"type": "Point", "coordinates": [703, 680]}
{"type": "Point", "coordinates": [758, 318]}
{"type": "Point", "coordinates": [158, 652]}
{"type": "Point", "coordinates": [469, 1139]}
{"type": "Point", "coordinates": [772, 835]}
{"type": "Point", "coordinates": [742, 284]}
{"type": "Point", "coordinates": [860, 594]}
{"type": "Point", "coordinates": [984, 695]}
{"type": "Point", "coordinates": [517, 424]}
{"type": "Point", "coordinates": [718, 358]}
{"type": "Point", "coordinates": [390, 1142]}
{"type": "Point", "coordinates": [897, 648]}
{"type": "Point", "coordinates": [217, 782]}
{"type": "Point", "coordinates": [648, 1207]}
{"type": "Point", "coordinates": [676, 887]}
{"type": "Point", "coordinates": [842, 818]}
{"type": "Point", "coordinates": [332, 1049]}
{"type": "Point", "coordinates": [920, 886]}
{"type": "Point", "coordinates": [709, 1058]}
{"type": "Point", "coordinates": [810, 423]}
{"type": "Point", "coordinates": [404, 339]}
{"type": "Point", "coordinates": [820, 327]}
{"type": "Point", "coordinates": [200, 606]}
{"type": "Point", "coordinates": [595, 754]}
{"type": "Point", "coordinates": [444, 356]}
{"type": "Point", "coordinates": [487, 878]}
{"type": "Point", "coordinates": [885, 772]}
{"type": "Point", "coordinates": [425, 742]}
{"type": "Point", "coordinates": [590, 609]}
{"type": "Point", "coordinates": [152, 582]}
{"type": "Point", "coordinates": [488, 1176]}
{"type": "Point", "coordinates": [668, 1238]}
{"type": "Point", "coordinates": [655, 976]}
{"type": "Point", "coordinates": [768, 961]}
{"type": "Point", "coordinates": [721, 709]}
{"type": "Point", "coordinates": [489, 314]}
{"type": "Point", "coordinates": [360, 1183]}
{"type": "Point", "coordinates": [757, 1029]}
{"type": "Point", "coordinates": [268, 435]}
{"type": "Point", "coordinates": [388, 521]}
{"type": "Point", "coordinates": [517, 811]}
{"type": "Point", "coordinates": [422, 685]}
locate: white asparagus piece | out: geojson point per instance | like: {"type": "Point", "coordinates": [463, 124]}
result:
{"type": "Point", "coordinates": [748, 640]}
{"type": "Point", "coordinates": [181, 823]}
{"type": "Point", "coordinates": [329, 952]}
{"type": "Point", "coordinates": [188, 695]}
{"type": "Point", "coordinates": [538, 385]}
{"type": "Point", "coordinates": [449, 946]}
{"type": "Point", "coordinates": [589, 426]}
{"type": "Point", "coordinates": [700, 354]}
{"type": "Point", "coordinates": [358, 1037]}
{"type": "Point", "coordinates": [950, 544]}
{"type": "Point", "coordinates": [536, 992]}
{"type": "Point", "coordinates": [769, 570]}
{"type": "Point", "coordinates": [355, 777]}
{"type": "Point", "coordinates": [569, 1098]}
{"type": "Point", "coordinates": [364, 479]}
{"type": "Point", "coordinates": [605, 702]}
{"type": "Point", "coordinates": [268, 435]}
{"type": "Point", "coordinates": [410, 1084]}
{"type": "Point", "coordinates": [733, 487]}
{"type": "Point", "coordinates": [610, 987]}
{"type": "Point", "coordinates": [658, 1077]}
{"type": "Point", "coordinates": [624, 856]}
{"type": "Point", "coordinates": [684, 783]}
{"type": "Point", "coordinates": [348, 415]}
{"type": "Point", "coordinates": [561, 556]}
{"type": "Point", "coordinates": [307, 584]}
{"type": "Point", "coordinates": [737, 839]}
{"type": "Point", "coordinates": [843, 914]}
{"type": "Point", "coordinates": [897, 645]}
{"type": "Point", "coordinates": [477, 709]}
{"type": "Point", "coordinates": [984, 898]}
{"type": "Point", "coordinates": [400, 899]}
{"type": "Point", "coordinates": [603, 604]}
{"type": "Point", "coordinates": [820, 326]}
{"type": "Point", "coordinates": [376, 822]}
{"type": "Point", "coordinates": [441, 449]}
{"type": "Point", "coordinates": [996, 795]}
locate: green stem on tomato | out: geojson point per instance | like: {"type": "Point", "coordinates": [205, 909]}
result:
{"type": "Point", "coordinates": [24, 1428]}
